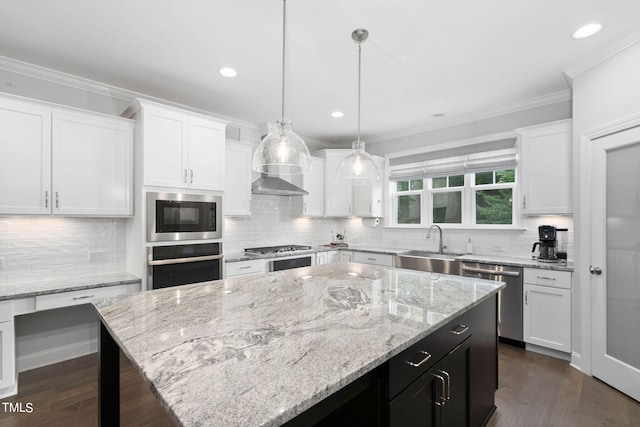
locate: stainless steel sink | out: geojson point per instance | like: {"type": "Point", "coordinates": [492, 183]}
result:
{"type": "Point", "coordinates": [428, 261]}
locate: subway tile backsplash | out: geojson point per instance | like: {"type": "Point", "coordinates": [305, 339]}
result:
{"type": "Point", "coordinates": [33, 248]}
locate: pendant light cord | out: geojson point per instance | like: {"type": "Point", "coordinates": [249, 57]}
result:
{"type": "Point", "coordinates": [284, 34]}
{"type": "Point", "coordinates": [359, 84]}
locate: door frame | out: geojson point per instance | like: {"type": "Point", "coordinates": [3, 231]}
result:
{"type": "Point", "coordinates": [581, 276]}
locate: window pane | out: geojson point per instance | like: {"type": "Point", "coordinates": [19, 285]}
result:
{"type": "Point", "coordinates": [402, 185]}
{"type": "Point", "coordinates": [440, 182]}
{"type": "Point", "coordinates": [508, 175]}
{"type": "Point", "coordinates": [408, 209]}
{"type": "Point", "coordinates": [484, 178]}
{"type": "Point", "coordinates": [494, 206]}
{"type": "Point", "coordinates": [416, 184]}
{"type": "Point", "coordinates": [456, 181]}
{"type": "Point", "coordinates": [447, 207]}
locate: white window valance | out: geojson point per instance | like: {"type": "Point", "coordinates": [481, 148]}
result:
{"type": "Point", "coordinates": [494, 155]}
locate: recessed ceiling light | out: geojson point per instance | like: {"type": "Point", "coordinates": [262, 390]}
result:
{"type": "Point", "coordinates": [337, 114]}
{"type": "Point", "coordinates": [587, 31]}
{"type": "Point", "coordinates": [436, 115]}
{"type": "Point", "coordinates": [228, 72]}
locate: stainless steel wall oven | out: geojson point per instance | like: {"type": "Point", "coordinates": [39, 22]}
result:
{"type": "Point", "coordinates": [180, 216]}
{"type": "Point", "coordinates": [183, 264]}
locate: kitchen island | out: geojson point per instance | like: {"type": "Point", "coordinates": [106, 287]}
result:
{"type": "Point", "coordinates": [270, 349]}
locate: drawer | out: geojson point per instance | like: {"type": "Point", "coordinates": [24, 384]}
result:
{"type": "Point", "coordinates": [246, 267]}
{"type": "Point", "coordinates": [553, 278]}
{"type": "Point", "coordinates": [371, 258]}
{"type": "Point", "coordinates": [429, 351]}
{"type": "Point", "coordinates": [84, 296]}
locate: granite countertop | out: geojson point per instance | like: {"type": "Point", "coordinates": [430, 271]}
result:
{"type": "Point", "coordinates": [259, 350]}
{"type": "Point", "coordinates": [53, 286]}
{"type": "Point", "coordinates": [518, 262]}
{"type": "Point", "coordinates": [495, 259]}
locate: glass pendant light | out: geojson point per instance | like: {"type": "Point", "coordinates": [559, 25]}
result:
{"type": "Point", "coordinates": [358, 166]}
{"type": "Point", "coordinates": [282, 151]}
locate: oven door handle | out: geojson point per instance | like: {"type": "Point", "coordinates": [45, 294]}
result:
{"type": "Point", "coordinates": [183, 260]}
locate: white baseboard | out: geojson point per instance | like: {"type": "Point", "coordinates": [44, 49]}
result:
{"type": "Point", "coordinates": [55, 355]}
{"type": "Point", "coordinates": [548, 352]}
{"type": "Point", "coordinates": [576, 361]}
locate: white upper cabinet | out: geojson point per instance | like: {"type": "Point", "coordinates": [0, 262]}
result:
{"type": "Point", "coordinates": [92, 165]}
{"type": "Point", "coordinates": [313, 182]}
{"type": "Point", "coordinates": [64, 161]}
{"type": "Point", "coordinates": [367, 198]}
{"type": "Point", "coordinates": [345, 199]}
{"type": "Point", "coordinates": [25, 159]}
{"type": "Point", "coordinates": [182, 149]}
{"type": "Point", "coordinates": [546, 169]}
{"type": "Point", "coordinates": [338, 197]}
{"type": "Point", "coordinates": [237, 197]}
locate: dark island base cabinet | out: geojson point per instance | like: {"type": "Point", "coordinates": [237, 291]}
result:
{"type": "Point", "coordinates": [439, 397]}
{"type": "Point", "coordinates": [447, 379]}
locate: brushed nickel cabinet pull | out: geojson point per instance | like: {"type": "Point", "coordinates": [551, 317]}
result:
{"type": "Point", "coordinates": [459, 330]}
{"type": "Point", "coordinates": [426, 357]}
{"type": "Point", "coordinates": [57, 200]}
{"type": "Point", "coordinates": [191, 177]}
{"type": "Point", "coordinates": [442, 397]}
{"type": "Point", "coordinates": [46, 199]}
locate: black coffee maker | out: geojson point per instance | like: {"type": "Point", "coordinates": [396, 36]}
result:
{"type": "Point", "coordinates": [547, 244]}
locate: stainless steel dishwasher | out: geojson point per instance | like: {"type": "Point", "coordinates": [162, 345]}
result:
{"type": "Point", "coordinates": [509, 299]}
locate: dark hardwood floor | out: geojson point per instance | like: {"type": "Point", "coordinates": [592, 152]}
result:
{"type": "Point", "coordinates": [535, 390]}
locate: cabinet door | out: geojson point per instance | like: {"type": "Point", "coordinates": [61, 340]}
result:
{"type": "Point", "coordinates": [165, 148]}
{"type": "Point", "coordinates": [547, 317]}
{"type": "Point", "coordinates": [419, 404]}
{"type": "Point", "coordinates": [547, 169]}
{"type": "Point", "coordinates": [332, 256]}
{"type": "Point", "coordinates": [313, 182]}
{"type": "Point", "coordinates": [206, 155]}
{"type": "Point", "coordinates": [338, 195]}
{"type": "Point", "coordinates": [7, 355]}
{"type": "Point", "coordinates": [455, 368]}
{"type": "Point", "coordinates": [345, 256]}
{"type": "Point", "coordinates": [321, 258]}
{"type": "Point", "coordinates": [367, 197]}
{"type": "Point", "coordinates": [92, 165]}
{"type": "Point", "coordinates": [25, 159]}
{"type": "Point", "coordinates": [237, 195]}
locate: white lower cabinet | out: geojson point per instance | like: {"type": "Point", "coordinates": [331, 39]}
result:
{"type": "Point", "coordinates": [345, 256]}
{"type": "Point", "coordinates": [373, 258]}
{"type": "Point", "coordinates": [241, 268]}
{"type": "Point", "coordinates": [328, 257]}
{"type": "Point", "coordinates": [547, 309]}
{"type": "Point", "coordinates": [7, 356]}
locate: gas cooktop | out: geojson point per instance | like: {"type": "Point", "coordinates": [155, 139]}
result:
{"type": "Point", "coordinates": [276, 249]}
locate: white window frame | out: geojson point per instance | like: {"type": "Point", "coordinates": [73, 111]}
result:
{"type": "Point", "coordinates": [468, 203]}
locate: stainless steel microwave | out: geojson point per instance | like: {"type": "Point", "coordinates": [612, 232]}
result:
{"type": "Point", "coordinates": [180, 216]}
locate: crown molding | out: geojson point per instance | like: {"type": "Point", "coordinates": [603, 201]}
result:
{"type": "Point", "coordinates": [624, 42]}
{"type": "Point", "coordinates": [81, 83]}
{"type": "Point", "coordinates": [539, 101]}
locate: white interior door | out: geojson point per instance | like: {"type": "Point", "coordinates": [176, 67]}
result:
{"type": "Point", "coordinates": [615, 258]}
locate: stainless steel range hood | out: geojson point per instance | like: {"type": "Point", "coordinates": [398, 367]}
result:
{"type": "Point", "coordinates": [274, 185]}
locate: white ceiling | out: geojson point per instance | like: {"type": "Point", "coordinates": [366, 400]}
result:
{"type": "Point", "coordinates": [458, 57]}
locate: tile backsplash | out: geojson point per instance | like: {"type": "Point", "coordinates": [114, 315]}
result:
{"type": "Point", "coordinates": [275, 220]}
{"type": "Point", "coordinates": [33, 248]}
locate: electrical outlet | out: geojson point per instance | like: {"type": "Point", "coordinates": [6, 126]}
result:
{"type": "Point", "coordinates": [395, 242]}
